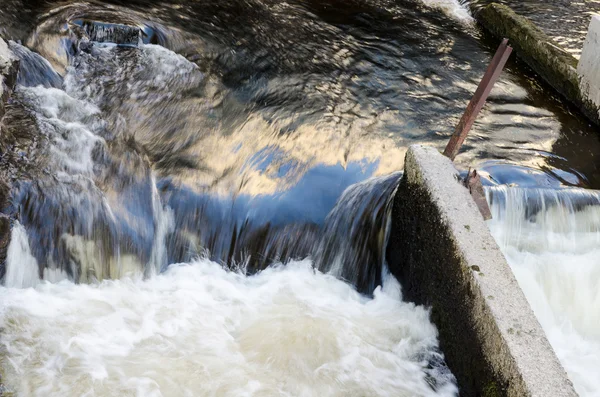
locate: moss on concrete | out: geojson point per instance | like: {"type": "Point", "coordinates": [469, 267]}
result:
{"type": "Point", "coordinates": [552, 63]}
{"type": "Point", "coordinates": [491, 390]}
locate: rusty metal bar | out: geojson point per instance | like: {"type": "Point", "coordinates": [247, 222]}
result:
{"type": "Point", "coordinates": [483, 90]}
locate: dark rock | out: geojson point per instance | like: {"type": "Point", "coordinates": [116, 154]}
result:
{"type": "Point", "coordinates": [9, 68]}
{"type": "Point", "coordinates": [4, 241]}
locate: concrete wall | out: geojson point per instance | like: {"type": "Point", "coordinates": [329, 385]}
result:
{"type": "Point", "coordinates": [445, 257]}
{"type": "Point", "coordinates": [552, 63]}
{"type": "Point", "coordinates": [589, 63]}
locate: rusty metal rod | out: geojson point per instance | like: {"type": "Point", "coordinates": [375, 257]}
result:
{"type": "Point", "coordinates": [483, 90]}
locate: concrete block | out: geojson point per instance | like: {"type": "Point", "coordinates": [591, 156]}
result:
{"type": "Point", "coordinates": [552, 63]}
{"type": "Point", "coordinates": [446, 258]}
{"type": "Point", "coordinates": [589, 63]}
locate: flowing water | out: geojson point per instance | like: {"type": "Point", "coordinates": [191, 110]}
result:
{"type": "Point", "coordinates": [205, 211]}
{"type": "Point", "coordinates": [551, 239]}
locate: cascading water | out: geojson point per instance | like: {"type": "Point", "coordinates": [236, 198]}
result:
{"type": "Point", "coordinates": [551, 239]}
{"type": "Point", "coordinates": [204, 209]}
{"type": "Point", "coordinates": [128, 177]}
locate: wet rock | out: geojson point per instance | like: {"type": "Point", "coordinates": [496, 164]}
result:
{"type": "Point", "coordinates": [4, 241]}
{"type": "Point", "coordinates": [9, 67]}
{"type": "Point", "coordinates": [4, 228]}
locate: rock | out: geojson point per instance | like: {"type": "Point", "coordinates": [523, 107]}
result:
{"type": "Point", "coordinates": [4, 228]}
{"type": "Point", "coordinates": [9, 68]}
{"type": "Point", "coordinates": [4, 241]}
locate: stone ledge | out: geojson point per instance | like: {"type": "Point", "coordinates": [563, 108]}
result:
{"type": "Point", "coordinates": [552, 63]}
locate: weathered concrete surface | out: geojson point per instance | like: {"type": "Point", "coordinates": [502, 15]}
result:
{"type": "Point", "coordinates": [445, 257]}
{"type": "Point", "coordinates": [589, 63]}
{"type": "Point", "coordinates": [552, 63]}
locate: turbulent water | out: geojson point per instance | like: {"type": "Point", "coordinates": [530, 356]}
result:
{"type": "Point", "coordinates": [551, 239]}
{"type": "Point", "coordinates": [198, 330]}
{"type": "Point", "coordinates": [205, 209]}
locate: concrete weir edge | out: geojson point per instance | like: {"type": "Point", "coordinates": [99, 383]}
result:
{"type": "Point", "coordinates": [443, 253]}
{"type": "Point", "coordinates": [551, 62]}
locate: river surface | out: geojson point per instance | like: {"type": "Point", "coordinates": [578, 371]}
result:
{"type": "Point", "coordinates": [216, 200]}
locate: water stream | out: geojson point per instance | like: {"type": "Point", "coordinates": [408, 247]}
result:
{"type": "Point", "coordinates": [205, 210]}
{"type": "Point", "coordinates": [551, 239]}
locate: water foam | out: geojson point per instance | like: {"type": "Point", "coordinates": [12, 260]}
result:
{"type": "Point", "coordinates": [452, 8]}
{"type": "Point", "coordinates": [71, 126]}
{"type": "Point", "coordinates": [198, 330]}
{"type": "Point", "coordinates": [551, 241]}
{"type": "Point", "coordinates": [22, 269]}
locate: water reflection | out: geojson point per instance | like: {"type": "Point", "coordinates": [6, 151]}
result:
{"type": "Point", "coordinates": [238, 131]}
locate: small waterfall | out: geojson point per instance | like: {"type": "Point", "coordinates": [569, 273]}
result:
{"type": "Point", "coordinates": [34, 69]}
{"type": "Point", "coordinates": [356, 233]}
{"type": "Point", "coordinates": [545, 220]}
{"type": "Point", "coordinates": [124, 132]}
{"type": "Point", "coordinates": [163, 224]}
{"type": "Point", "coordinates": [551, 239]}
{"type": "Point", "coordinates": [22, 270]}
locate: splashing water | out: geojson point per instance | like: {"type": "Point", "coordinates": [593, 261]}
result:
{"type": "Point", "coordinates": [198, 330]}
{"type": "Point", "coordinates": [253, 133]}
{"type": "Point", "coordinates": [551, 239]}
{"type": "Point", "coordinates": [22, 267]}
{"type": "Point", "coordinates": [452, 8]}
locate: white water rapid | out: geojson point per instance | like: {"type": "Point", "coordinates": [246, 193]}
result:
{"type": "Point", "coordinates": [551, 239]}
{"type": "Point", "coordinates": [198, 330]}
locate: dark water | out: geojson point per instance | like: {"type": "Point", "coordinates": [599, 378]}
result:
{"type": "Point", "coordinates": [250, 131]}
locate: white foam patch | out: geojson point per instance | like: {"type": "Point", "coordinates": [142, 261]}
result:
{"type": "Point", "coordinates": [452, 8]}
{"type": "Point", "coordinates": [555, 256]}
{"type": "Point", "coordinates": [198, 330]}
{"type": "Point", "coordinates": [69, 124]}
{"type": "Point", "coordinates": [22, 269]}
{"type": "Point", "coordinates": [564, 292]}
